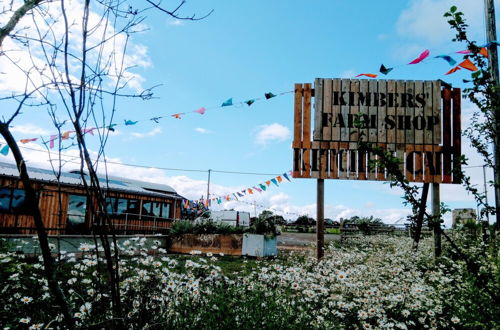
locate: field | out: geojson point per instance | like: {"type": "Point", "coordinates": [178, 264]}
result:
{"type": "Point", "coordinates": [373, 282]}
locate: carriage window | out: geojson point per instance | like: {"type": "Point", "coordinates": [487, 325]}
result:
{"type": "Point", "coordinates": [156, 210]}
{"type": "Point", "coordinates": [133, 206]}
{"type": "Point", "coordinates": [111, 205]}
{"type": "Point", "coordinates": [166, 211]}
{"type": "Point", "coordinates": [13, 201]}
{"type": "Point", "coordinates": [77, 207]}
{"type": "Point", "coordinates": [121, 206]}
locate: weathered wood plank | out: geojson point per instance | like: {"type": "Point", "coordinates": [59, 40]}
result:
{"type": "Point", "coordinates": [306, 127]}
{"type": "Point", "coordinates": [391, 113]}
{"type": "Point", "coordinates": [382, 112]}
{"type": "Point", "coordinates": [345, 109]}
{"type": "Point", "coordinates": [409, 114]}
{"type": "Point", "coordinates": [457, 135]}
{"type": "Point", "coordinates": [363, 110]}
{"type": "Point", "coordinates": [372, 110]}
{"type": "Point", "coordinates": [447, 135]}
{"type": "Point", "coordinates": [336, 109]}
{"type": "Point", "coordinates": [354, 112]}
{"type": "Point", "coordinates": [343, 165]}
{"type": "Point", "coordinates": [334, 147]}
{"type": "Point", "coordinates": [326, 121]}
{"type": "Point", "coordinates": [318, 106]}
{"type": "Point", "coordinates": [297, 117]}
{"type": "Point", "coordinates": [418, 122]}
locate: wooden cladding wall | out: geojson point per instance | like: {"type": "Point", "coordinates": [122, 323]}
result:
{"type": "Point", "coordinates": [54, 208]}
{"type": "Point", "coordinates": [426, 155]}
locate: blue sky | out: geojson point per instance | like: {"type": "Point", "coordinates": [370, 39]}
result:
{"type": "Point", "coordinates": [243, 50]}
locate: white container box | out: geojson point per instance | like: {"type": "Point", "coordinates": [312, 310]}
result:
{"type": "Point", "coordinates": [259, 246]}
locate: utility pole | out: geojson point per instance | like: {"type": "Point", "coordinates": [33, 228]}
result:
{"type": "Point", "coordinates": [485, 192]}
{"type": "Point", "coordinates": [208, 185]}
{"type": "Point", "coordinates": [491, 32]}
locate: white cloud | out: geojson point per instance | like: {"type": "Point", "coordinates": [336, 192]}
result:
{"type": "Point", "coordinates": [29, 129]}
{"type": "Point", "coordinates": [424, 20]}
{"type": "Point", "coordinates": [153, 132]}
{"type": "Point", "coordinates": [273, 132]}
{"type": "Point", "coordinates": [176, 22]}
{"type": "Point", "coordinates": [47, 21]}
{"type": "Point", "coordinates": [202, 130]}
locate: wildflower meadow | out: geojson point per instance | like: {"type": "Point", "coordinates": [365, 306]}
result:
{"type": "Point", "coordinates": [370, 283]}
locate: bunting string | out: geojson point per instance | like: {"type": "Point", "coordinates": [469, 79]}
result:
{"type": "Point", "coordinates": [51, 140]}
{"type": "Point", "coordinates": [425, 55]}
{"type": "Point", "coordinates": [238, 195]}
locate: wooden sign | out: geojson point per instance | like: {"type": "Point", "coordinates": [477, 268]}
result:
{"type": "Point", "coordinates": [417, 121]}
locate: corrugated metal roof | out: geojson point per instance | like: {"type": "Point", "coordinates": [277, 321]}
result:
{"type": "Point", "coordinates": [113, 183]}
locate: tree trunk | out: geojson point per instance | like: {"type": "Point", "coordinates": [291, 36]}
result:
{"type": "Point", "coordinates": [33, 207]}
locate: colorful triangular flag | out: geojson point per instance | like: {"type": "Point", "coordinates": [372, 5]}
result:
{"type": "Point", "coordinates": [455, 69]}
{"type": "Point", "coordinates": [28, 140]}
{"type": "Point", "coordinates": [421, 57]}
{"type": "Point", "coordinates": [51, 141]}
{"type": "Point", "coordinates": [250, 191]}
{"type": "Point", "coordinates": [177, 115]}
{"type": "Point", "coordinates": [227, 103]}
{"type": "Point", "coordinates": [250, 102]}
{"type": "Point", "coordinates": [286, 177]}
{"type": "Point", "coordinates": [275, 182]}
{"type": "Point", "coordinates": [467, 64]}
{"type": "Point", "coordinates": [484, 52]}
{"type": "Point", "coordinates": [268, 183]}
{"type": "Point", "coordinates": [447, 58]}
{"type": "Point", "coordinates": [370, 75]}
{"type": "Point", "coordinates": [263, 187]}
{"type": "Point", "coordinates": [384, 70]}
{"type": "Point", "coordinates": [269, 95]}
{"type": "Point", "coordinates": [5, 150]}
{"type": "Point", "coordinates": [201, 110]}
{"type": "Point", "coordinates": [130, 122]}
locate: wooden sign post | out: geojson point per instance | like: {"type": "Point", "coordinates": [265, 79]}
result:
{"type": "Point", "coordinates": [417, 121]}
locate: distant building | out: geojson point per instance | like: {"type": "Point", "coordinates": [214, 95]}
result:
{"type": "Point", "coordinates": [133, 206]}
{"type": "Point", "coordinates": [461, 216]}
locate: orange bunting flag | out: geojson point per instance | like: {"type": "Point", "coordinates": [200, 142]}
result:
{"type": "Point", "coordinates": [370, 75]}
{"type": "Point", "coordinates": [250, 191]}
{"type": "Point", "coordinates": [28, 140]}
{"type": "Point", "coordinates": [484, 52]}
{"type": "Point", "coordinates": [279, 178]}
{"type": "Point", "coordinates": [268, 183]}
{"type": "Point", "coordinates": [177, 115]}
{"type": "Point", "coordinates": [455, 69]}
{"type": "Point", "coordinates": [467, 64]}
{"type": "Point", "coordinates": [65, 135]}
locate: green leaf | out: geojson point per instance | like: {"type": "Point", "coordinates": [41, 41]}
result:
{"type": "Point", "coordinates": [453, 9]}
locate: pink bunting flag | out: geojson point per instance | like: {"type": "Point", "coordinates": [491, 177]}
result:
{"type": "Point", "coordinates": [89, 130]}
{"type": "Point", "coordinates": [421, 57]}
{"type": "Point", "coordinates": [52, 139]}
{"type": "Point", "coordinates": [258, 189]}
{"type": "Point", "coordinates": [463, 51]}
{"type": "Point", "coordinates": [201, 110]}
{"type": "Point", "coordinates": [370, 75]}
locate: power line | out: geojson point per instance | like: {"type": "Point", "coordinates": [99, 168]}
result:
{"type": "Point", "coordinates": [155, 167]}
